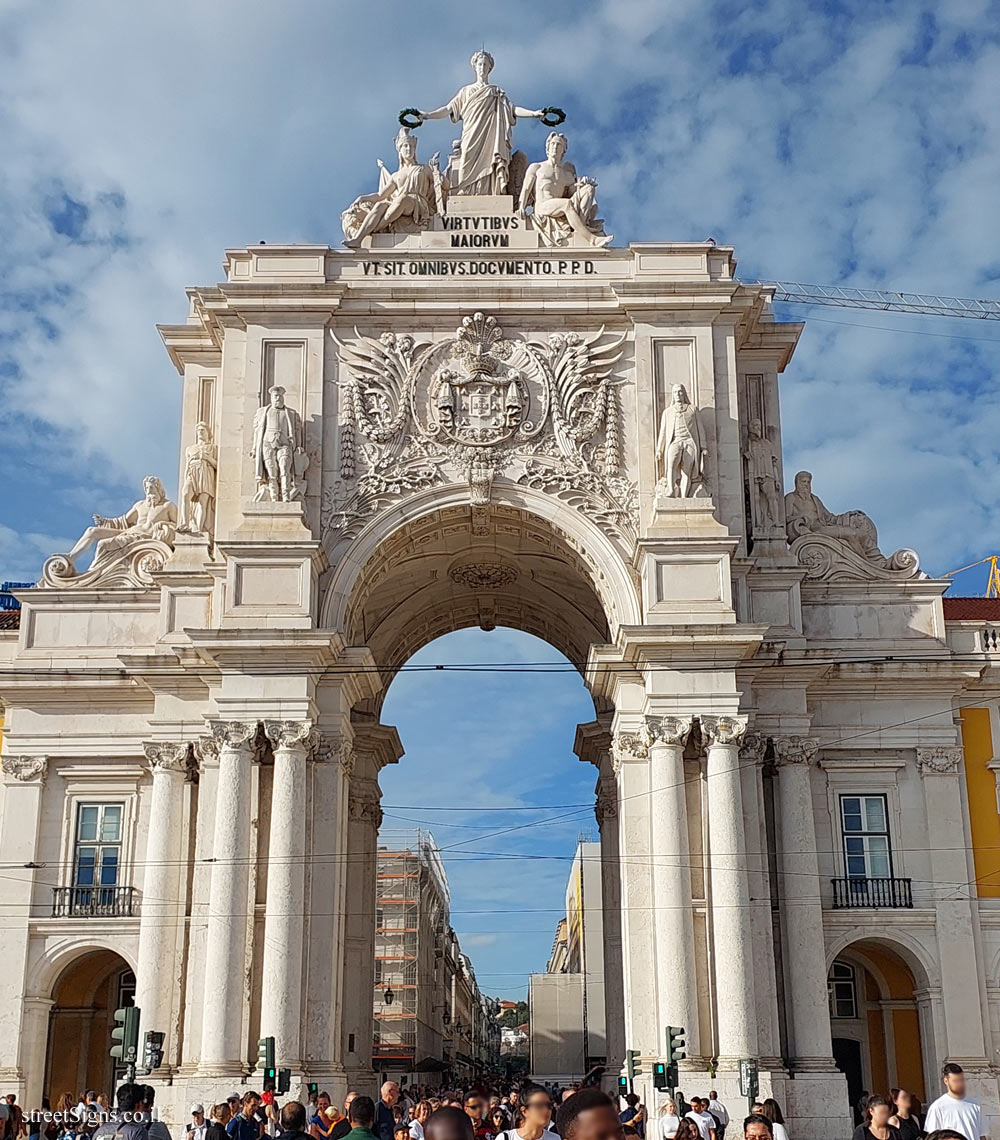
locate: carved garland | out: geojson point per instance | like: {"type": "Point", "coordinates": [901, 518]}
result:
{"type": "Point", "coordinates": [939, 761]}
{"type": "Point", "coordinates": [26, 768]}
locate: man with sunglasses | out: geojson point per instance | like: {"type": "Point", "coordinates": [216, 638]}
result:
{"type": "Point", "coordinates": [475, 1109]}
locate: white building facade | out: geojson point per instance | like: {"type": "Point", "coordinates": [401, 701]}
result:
{"type": "Point", "coordinates": [193, 741]}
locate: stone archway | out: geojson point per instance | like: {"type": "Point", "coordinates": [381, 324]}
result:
{"type": "Point", "coordinates": [84, 997]}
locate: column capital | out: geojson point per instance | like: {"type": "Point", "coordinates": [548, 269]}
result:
{"type": "Point", "coordinates": [669, 729]}
{"type": "Point", "coordinates": [752, 748]}
{"type": "Point", "coordinates": [363, 802]}
{"type": "Point", "coordinates": [943, 760]}
{"type": "Point", "coordinates": [26, 769]}
{"type": "Point", "coordinates": [292, 734]}
{"type": "Point", "coordinates": [167, 755]}
{"type": "Point", "coordinates": [723, 729]}
{"type": "Point", "coordinates": [628, 747]}
{"type": "Point", "coordinates": [607, 800]}
{"type": "Point", "coordinates": [794, 750]}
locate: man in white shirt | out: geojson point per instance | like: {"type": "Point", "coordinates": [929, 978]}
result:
{"type": "Point", "coordinates": [953, 1110]}
{"type": "Point", "coordinates": [197, 1128]}
{"type": "Point", "coordinates": [720, 1112]}
{"type": "Point", "coordinates": [704, 1122]}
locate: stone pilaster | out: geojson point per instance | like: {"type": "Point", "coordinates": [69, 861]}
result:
{"type": "Point", "coordinates": [676, 976]}
{"type": "Point", "coordinates": [285, 914]}
{"type": "Point", "coordinates": [732, 942]}
{"type": "Point", "coordinates": [162, 907]}
{"type": "Point", "coordinates": [801, 908]}
{"type": "Point", "coordinates": [222, 1041]}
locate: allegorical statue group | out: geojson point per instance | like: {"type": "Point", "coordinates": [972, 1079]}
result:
{"type": "Point", "coordinates": [561, 204]}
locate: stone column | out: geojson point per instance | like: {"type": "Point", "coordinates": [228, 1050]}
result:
{"type": "Point", "coordinates": [223, 1044]}
{"type": "Point", "coordinates": [802, 911]}
{"type": "Point", "coordinates": [24, 785]}
{"type": "Point", "coordinates": [729, 904]}
{"type": "Point", "coordinates": [162, 906]}
{"type": "Point", "coordinates": [676, 978]}
{"type": "Point", "coordinates": [281, 1015]}
{"type": "Point", "coordinates": [606, 811]}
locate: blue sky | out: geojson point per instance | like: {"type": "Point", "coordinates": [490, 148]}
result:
{"type": "Point", "coordinates": [851, 142]}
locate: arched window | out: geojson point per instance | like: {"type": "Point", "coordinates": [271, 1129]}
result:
{"type": "Point", "coordinates": [843, 989]}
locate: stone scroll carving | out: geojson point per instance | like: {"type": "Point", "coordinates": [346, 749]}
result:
{"type": "Point", "coordinates": [475, 408]}
{"type": "Point", "coordinates": [278, 450]}
{"type": "Point", "coordinates": [564, 207]}
{"type": "Point", "coordinates": [130, 549]}
{"type": "Point", "coordinates": [939, 761]}
{"type": "Point", "coordinates": [841, 547]}
{"type": "Point", "coordinates": [24, 769]}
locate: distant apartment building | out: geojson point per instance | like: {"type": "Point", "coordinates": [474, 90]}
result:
{"type": "Point", "coordinates": [431, 1022]}
{"type": "Point", "coordinates": [568, 1035]}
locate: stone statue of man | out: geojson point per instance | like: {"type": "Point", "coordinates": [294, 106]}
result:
{"type": "Point", "coordinates": [487, 117]}
{"type": "Point", "coordinates": [762, 472]}
{"type": "Point", "coordinates": [201, 462]}
{"type": "Point", "coordinates": [564, 206]}
{"type": "Point", "coordinates": [680, 446]}
{"type": "Point", "coordinates": [278, 449]}
{"type": "Point", "coordinates": [806, 514]}
{"type": "Point", "coordinates": [153, 516]}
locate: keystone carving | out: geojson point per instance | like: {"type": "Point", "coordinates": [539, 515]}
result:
{"type": "Point", "coordinates": [940, 761]}
{"type": "Point", "coordinates": [26, 768]}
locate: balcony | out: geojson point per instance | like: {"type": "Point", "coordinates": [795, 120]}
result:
{"type": "Point", "coordinates": [871, 894]}
{"type": "Point", "coordinates": [92, 902]}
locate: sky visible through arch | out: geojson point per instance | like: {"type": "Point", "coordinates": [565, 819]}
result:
{"type": "Point", "coordinates": [480, 741]}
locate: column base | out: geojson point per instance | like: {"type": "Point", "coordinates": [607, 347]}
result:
{"type": "Point", "coordinates": [814, 1104]}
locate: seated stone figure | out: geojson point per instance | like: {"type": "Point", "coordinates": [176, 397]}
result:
{"type": "Point", "coordinates": [806, 514]}
{"type": "Point", "coordinates": [410, 197]}
{"type": "Point", "coordinates": [565, 206]}
{"type": "Point", "coordinates": [152, 517]}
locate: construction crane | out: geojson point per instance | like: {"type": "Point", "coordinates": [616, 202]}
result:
{"type": "Point", "coordinates": [926, 304]}
{"type": "Point", "coordinates": [993, 585]}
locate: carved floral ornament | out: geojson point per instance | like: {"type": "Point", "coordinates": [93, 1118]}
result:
{"type": "Point", "coordinates": [723, 730]}
{"type": "Point", "coordinates": [673, 730]}
{"type": "Point", "coordinates": [167, 755]}
{"type": "Point", "coordinates": [940, 761]}
{"type": "Point", "coordinates": [795, 750]}
{"type": "Point", "coordinates": [363, 804]}
{"type": "Point", "coordinates": [292, 734]}
{"type": "Point", "coordinates": [477, 407]}
{"type": "Point", "coordinates": [24, 769]}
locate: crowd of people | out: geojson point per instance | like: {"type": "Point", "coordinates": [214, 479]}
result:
{"type": "Point", "coordinates": [523, 1112]}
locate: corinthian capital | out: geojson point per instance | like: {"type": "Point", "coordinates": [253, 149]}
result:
{"type": "Point", "coordinates": [363, 802]}
{"type": "Point", "coordinates": [723, 729]}
{"type": "Point", "coordinates": [166, 755]}
{"type": "Point", "coordinates": [292, 734]}
{"type": "Point", "coordinates": [626, 746]}
{"type": "Point", "coordinates": [234, 734]}
{"type": "Point", "coordinates": [752, 748]}
{"type": "Point", "coordinates": [607, 801]}
{"type": "Point", "coordinates": [26, 768]}
{"type": "Point", "coordinates": [794, 749]}
{"type": "Point", "coordinates": [669, 729]}
{"type": "Point", "coordinates": [941, 761]}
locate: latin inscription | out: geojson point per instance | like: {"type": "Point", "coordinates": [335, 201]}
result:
{"type": "Point", "coordinates": [543, 267]}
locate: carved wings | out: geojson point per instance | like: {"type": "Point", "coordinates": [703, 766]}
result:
{"type": "Point", "coordinates": [376, 393]}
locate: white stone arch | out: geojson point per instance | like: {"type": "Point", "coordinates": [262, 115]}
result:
{"type": "Point", "coordinates": [55, 958]}
{"type": "Point", "coordinates": [917, 957]}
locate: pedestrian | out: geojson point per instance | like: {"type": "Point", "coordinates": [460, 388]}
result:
{"type": "Point", "coordinates": [156, 1129]}
{"type": "Point", "coordinates": [877, 1126]}
{"type": "Point", "coordinates": [757, 1127]}
{"type": "Point", "coordinates": [703, 1120]}
{"type": "Point", "coordinates": [687, 1130]}
{"type": "Point", "coordinates": [944, 1134]}
{"type": "Point", "coordinates": [772, 1110]}
{"type": "Point", "coordinates": [17, 1126]}
{"type": "Point", "coordinates": [343, 1127]}
{"type": "Point", "coordinates": [385, 1118]}
{"type": "Point", "coordinates": [536, 1115]}
{"type": "Point", "coordinates": [590, 1115]}
{"type": "Point", "coordinates": [420, 1115]}
{"type": "Point", "coordinates": [953, 1109]}
{"type": "Point", "coordinates": [235, 1102]}
{"type": "Point", "coordinates": [292, 1121]}
{"type": "Point", "coordinates": [720, 1112]}
{"type": "Point", "coordinates": [362, 1114]}
{"type": "Point", "coordinates": [683, 1107]}
{"type": "Point", "coordinates": [244, 1125]}
{"type": "Point", "coordinates": [325, 1119]}
{"type": "Point", "coordinates": [634, 1114]}
{"type": "Point", "coordinates": [475, 1108]}
{"type": "Point", "coordinates": [904, 1117]}
{"type": "Point", "coordinates": [220, 1117]}
{"type": "Point", "coordinates": [198, 1128]}
{"type": "Point", "coordinates": [668, 1121]}
{"type": "Point", "coordinates": [448, 1123]}
{"type": "Point", "coordinates": [401, 1131]}
{"type": "Point", "coordinates": [125, 1122]}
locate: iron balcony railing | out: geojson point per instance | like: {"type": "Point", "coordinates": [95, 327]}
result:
{"type": "Point", "coordinates": [92, 902]}
{"type": "Point", "coordinates": [855, 891]}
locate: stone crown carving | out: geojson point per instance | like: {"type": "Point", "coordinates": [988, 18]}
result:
{"type": "Point", "coordinates": [26, 768]}
{"type": "Point", "coordinates": [939, 761]}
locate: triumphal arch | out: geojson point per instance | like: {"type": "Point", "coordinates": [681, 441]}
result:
{"type": "Point", "coordinates": [477, 410]}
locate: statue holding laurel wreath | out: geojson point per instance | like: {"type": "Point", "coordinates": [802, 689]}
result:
{"type": "Point", "coordinates": [483, 164]}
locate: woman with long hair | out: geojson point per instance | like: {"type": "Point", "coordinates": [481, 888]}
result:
{"type": "Point", "coordinates": [877, 1126]}
{"type": "Point", "coordinates": [687, 1130]}
{"type": "Point", "coordinates": [668, 1121]}
{"type": "Point", "coordinates": [772, 1110]}
{"type": "Point", "coordinates": [904, 1117]}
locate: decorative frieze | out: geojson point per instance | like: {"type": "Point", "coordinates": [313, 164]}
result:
{"type": "Point", "coordinates": [940, 761]}
{"type": "Point", "coordinates": [26, 768]}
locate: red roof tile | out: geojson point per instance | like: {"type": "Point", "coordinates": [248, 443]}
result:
{"type": "Point", "coordinates": [971, 609]}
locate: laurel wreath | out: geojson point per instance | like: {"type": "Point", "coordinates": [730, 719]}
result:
{"type": "Point", "coordinates": [553, 116]}
{"type": "Point", "coordinates": [410, 117]}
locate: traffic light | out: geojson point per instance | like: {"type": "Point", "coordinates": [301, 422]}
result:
{"type": "Point", "coordinates": [659, 1075]}
{"type": "Point", "coordinates": [265, 1053]}
{"type": "Point", "coordinates": [313, 1089]}
{"type": "Point", "coordinates": [284, 1081]}
{"type": "Point", "coordinates": [676, 1044]}
{"type": "Point", "coordinates": [125, 1035]}
{"type": "Point", "coordinates": [623, 1089]}
{"type": "Point", "coordinates": [152, 1051]}
{"type": "Point", "coordinates": [632, 1065]}
{"type": "Point", "coordinates": [270, 1079]}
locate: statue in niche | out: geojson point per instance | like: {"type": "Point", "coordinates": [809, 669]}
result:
{"type": "Point", "coordinates": [806, 514]}
{"type": "Point", "coordinates": [153, 517]}
{"type": "Point", "coordinates": [198, 490]}
{"type": "Point", "coordinates": [483, 162]}
{"type": "Point", "coordinates": [565, 206]}
{"type": "Point", "coordinates": [278, 448]}
{"type": "Point", "coordinates": [762, 472]}
{"type": "Point", "coordinates": [680, 448]}
{"type": "Point", "coordinates": [410, 197]}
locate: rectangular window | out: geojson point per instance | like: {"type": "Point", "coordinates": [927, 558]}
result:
{"type": "Point", "coordinates": [864, 822]}
{"type": "Point", "coordinates": [97, 853]}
